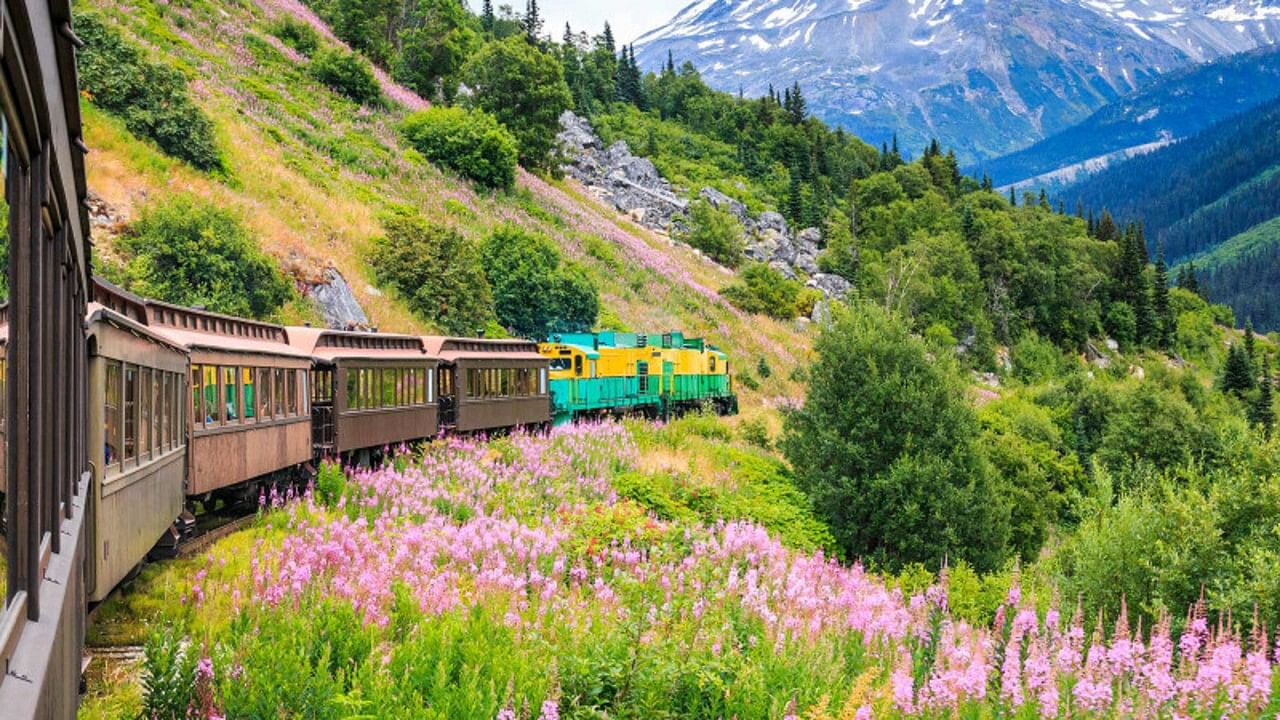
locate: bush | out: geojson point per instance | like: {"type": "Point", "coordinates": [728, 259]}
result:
{"type": "Point", "coordinates": [347, 74]}
{"type": "Point", "coordinates": [469, 142]}
{"type": "Point", "coordinates": [715, 232]}
{"type": "Point", "coordinates": [152, 99]}
{"type": "Point", "coordinates": [436, 270]}
{"type": "Point", "coordinates": [1034, 359]}
{"type": "Point", "coordinates": [884, 445]}
{"type": "Point", "coordinates": [187, 251]}
{"type": "Point", "coordinates": [295, 33]}
{"type": "Point", "coordinates": [765, 291]}
{"type": "Point", "coordinates": [533, 293]}
{"type": "Point", "coordinates": [755, 432]}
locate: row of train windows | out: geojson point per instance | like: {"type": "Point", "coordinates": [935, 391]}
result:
{"type": "Point", "coordinates": [228, 395]}
{"type": "Point", "coordinates": [374, 388]}
{"type": "Point", "coordinates": [506, 382]}
{"type": "Point", "coordinates": [142, 414]}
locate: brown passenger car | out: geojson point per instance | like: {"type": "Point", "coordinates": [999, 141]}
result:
{"type": "Point", "coordinates": [250, 414]}
{"type": "Point", "coordinates": [490, 384]}
{"type": "Point", "coordinates": [369, 390]}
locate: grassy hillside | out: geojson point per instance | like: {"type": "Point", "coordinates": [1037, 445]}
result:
{"type": "Point", "coordinates": [309, 171]}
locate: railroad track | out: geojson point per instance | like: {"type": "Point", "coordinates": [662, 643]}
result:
{"type": "Point", "coordinates": [201, 541]}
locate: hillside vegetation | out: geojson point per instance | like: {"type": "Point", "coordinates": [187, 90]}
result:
{"type": "Point", "coordinates": [310, 174]}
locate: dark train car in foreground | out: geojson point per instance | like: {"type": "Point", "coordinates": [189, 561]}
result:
{"type": "Point", "coordinates": [137, 442]}
{"type": "Point", "coordinates": [369, 390]}
{"type": "Point", "coordinates": [490, 384]}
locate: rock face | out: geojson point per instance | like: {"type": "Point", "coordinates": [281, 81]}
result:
{"type": "Point", "coordinates": [630, 183]}
{"type": "Point", "coordinates": [634, 186]}
{"type": "Point", "coordinates": [336, 303]}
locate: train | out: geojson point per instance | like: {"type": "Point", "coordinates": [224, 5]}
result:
{"type": "Point", "coordinates": [190, 408]}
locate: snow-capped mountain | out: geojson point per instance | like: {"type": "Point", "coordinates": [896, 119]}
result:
{"type": "Point", "coordinates": [985, 76]}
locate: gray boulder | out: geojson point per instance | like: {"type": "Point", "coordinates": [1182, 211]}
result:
{"type": "Point", "coordinates": [336, 303]}
{"type": "Point", "coordinates": [832, 286]}
{"type": "Point", "coordinates": [770, 220]}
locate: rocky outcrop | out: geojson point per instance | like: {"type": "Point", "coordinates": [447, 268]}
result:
{"type": "Point", "coordinates": [628, 182]}
{"type": "Point", "coordinates": [634, 186]}
{"type": "Point", "coordinates": [336, 303]}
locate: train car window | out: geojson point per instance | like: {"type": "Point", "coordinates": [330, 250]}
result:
{"type": "Point", "coordinates": [577, 365]}
{"type": "Point", "coordinates": [130, 412]}
{"type": "Point", "coordinates": [264, 394]}
{"type": "Point", "coordinates": [430, 384]}
{"type": "Point", "coordinates": [713, 363]}
{"type": "Point", "coordinates": [248, 401]}
{"type": "Point", "coordinates": [197, 410]}
{"type": "Point", "coordinates": [390, 394]}
{"type": "Point", "coordinates": [145, 413]}
{"type": "Point", "coordinates": [164, 427]}
{"type": "Point", "coordinates": [231, 393]}
{"type": "Point", "coordinates": [542, 381]}
{"type": "Point", "coordinates": [353, 395]}
{"type": "Point", "coordinates": [212, 414]}
{"type": "Point", "coordinates": [561, 364]}
{"type": "Point", "coordinates": [279, 392]}
{"type": "Point", "coordinates": [446, 383]}
{"type": "Point", "coordinates": [157, 412]}
{"type": "Point", "coordinates": [304, 396]}
{"type": "Point", "coordinates": [111, 413]}
{"type": "Point", "coordinates": [593, 368]}
{"type": "Point", "coordinates": [291, 383]}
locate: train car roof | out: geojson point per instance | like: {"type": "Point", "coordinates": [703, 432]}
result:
{"type": "Point", "coordinates": [450, 349]}
{"type": "Point", "coordinates": [347, 344]}
{"type": "Point", "coordinates": [98, 312]}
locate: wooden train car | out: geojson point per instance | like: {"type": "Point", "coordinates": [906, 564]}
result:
{"type": "Point", "coordinates": [369, 390]}
{"type": "Point", "coordinates": [137, 439]}
{"type": "Point", "coordinates": [491, 384]}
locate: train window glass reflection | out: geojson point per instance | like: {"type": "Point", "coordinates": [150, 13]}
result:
{"type": "Point", "coordinates": [157, 408]}
{"type": "Point", "coordinates": [111, 414]}
{"type": "Point", "coordinates": [542, 381]}
{"type": "Point", "coordinates": [264, 394]}
{"type": "Point", "coordinates": [353, 389]}
{"type": "Point", "coordinates": [212, 413]}
{"type": "Point", "coordinates": [278, 373]}
{"type": "Point", "coordinates": [164, 428]}
{"type": "Point", "coordinates": [145, 414]}
{"type": "Point", "coordinates": [130, 412]}
{"type": "Point", "coordinates": [291, 385]}
{"type": "Point", "coordinates": [197, 393]}
{"type": "Point", "coordinates": [230, 394]}
{"type": "Point", "coordinates": [246, 377]}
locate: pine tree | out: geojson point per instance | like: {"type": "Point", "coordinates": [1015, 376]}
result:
{"type": "Point", "coordinates": [795, 200]}
{"type": "Point", "coordinates": [1263, 410]}
{"type": "Point", "coordinates": [1237, 378]}
{"type": "Point", "coordinates": [969, 225]}
{"type": "Point", "coordinates": [1044, 200]}
{"type": "Point", "coordinates": [608, 42]}
{"type": "Point", "coordinates": [1250, 347]}
{"type": "Point", "coordinates": [1080, 209]}
{"type": "Point", "coordinates": [1193, 282]}
{"type": "Point", "coordinates": [1106, 228]}
{"type": "Point", "coordinates": [1092, 227]}
{"type": "Point", "coordinates": [987, 185]}
{"type": "Point", "coordinates": [532, 21]}
{"type": "Point", "coordinates": [671, 66]}
{"type": "Point", "coordinates": [486, 16]}
{"type": "Point", "coordinates": [1160, 299]}
{"type": "Point", "coordinates": [1013, 196]}
{"type": "Point", "coordinates": [798, 108]}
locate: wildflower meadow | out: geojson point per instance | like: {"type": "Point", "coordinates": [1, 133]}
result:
{"type": "Point", "coordinates": [510, 579]}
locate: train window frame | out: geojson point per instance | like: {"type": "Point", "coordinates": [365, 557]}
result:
{"type": "Point", "coordinates": [113, 441]}
{"type": "Point", "coordinates": [211, 395]}
{"type": "Point", "coordinates": [229, 397]}
{"type": "Point", "coordinates": [248, 395]}
{"type": "Point", "coordinates": [353, 388]}
{"type": "Point", "coordinates": [197, 396]}
{"type": "Point", "coordinates": [166, 410]}
{"type": "Point", "coordinates": [542, 385]}
{"type": "Point", "coordinates": [146, 415]}
{"type": "Point", "coordinates": [291, 391]}
{"type": "Point", "coordinates": [277, 375]}
{"type": "Point", "coordinates": [263, 390]}
{"type": "Point", "coordinates": [130, 425]}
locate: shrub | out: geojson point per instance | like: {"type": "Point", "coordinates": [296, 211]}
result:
{"type": "Point", "coordinates": [295, 33]}
{"type": "Point", "coordinates": [765, 291]}
{"type": "Point", "coordinates": [469, 142]}
{"type": "Point", "coordinates": [715, 232]}
{"type": "Point", "coordinates": [436, 270]}
{"type": "Point", "coordinates": [188, 251]}
{"type": "Point", "coordinates": [152, 99]}
{"type": "Point", "coordinates": [1035, 359]}
{"type": "Point", "coordinates": [755, 432]}
{"type": "Point", "coordinates": [884, 445]}
{"type": "Point", "coordinates": [533, 292]}
{"type": "Point", "coordinates": [347, 74]}
{"type": "Point", "coordinates": [168, 672]}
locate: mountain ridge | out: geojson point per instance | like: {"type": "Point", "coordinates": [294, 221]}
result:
{"type": "Point", "coordinates": [985, 78]}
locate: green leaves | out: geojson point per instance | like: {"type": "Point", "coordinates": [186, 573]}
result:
{"type": "Point", "coordinates": [151, 98]}
{"type": "Point", "coordinates": [436, 270]}
{"type": "Point", "coordinates": [533, 294]}
{"type": "Point", "coordinates": [715, 232]}
{"type": "Point", "coordinates": [347, 74]}
{"type": "Point", "coordinates": [471, 143]}
{"type": "Point", "coordinates": [523, 87]}
{"type": "Point", "coordinates": [186, 250]}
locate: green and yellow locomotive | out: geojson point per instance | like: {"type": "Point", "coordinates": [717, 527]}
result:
{"type": "Point", "coordinates": [611, 373]}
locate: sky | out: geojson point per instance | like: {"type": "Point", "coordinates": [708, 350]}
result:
{"type": "Point", "coordinates": [629, 19]}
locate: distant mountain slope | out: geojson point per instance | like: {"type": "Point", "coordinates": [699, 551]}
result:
{"type": "Point", "coordinates": [1196, 194]}
{"type": "Point", "coordinates": [1244, 272]}
{"type": "Point", "coordinates": [1174, 107]}
{"type": "Point", "coordinates": [985, 77]}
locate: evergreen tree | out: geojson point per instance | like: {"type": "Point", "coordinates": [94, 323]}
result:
{"type": "Point", "coordinates": [1044, 200]}
{"type": "Point", "coordinates": [1013, 196]}
{"type": "Point", "coordinates": [1160, 300]}
{"type": "Point", "coordinates": [670, 69]}
{"type": "Point", "coordinates": [987, 185]}
{"type": "Point", "coordinates": [1263, 411]}
{"type": "Point", "coordinates": [486, 16]}
{"type": "Point", "coordinates": [1091, 227]}
{"type": "Point", "coordinates": [1237, 377]}
{"type": "Point", "coordinates": [1106, 228]}
{"type": "Point", "coordinates": [1080, 209]}
{"type": "Point", "coordinates": [532, 21]}
{"type": "Point", "coordinates": [607, 39]}
{"type": "Point", "coordinates": [797, 108]}
{"type": "Point", "coordinates": [1192, 282]}
{"type": "Point", "coordinates": [1250, 347]}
